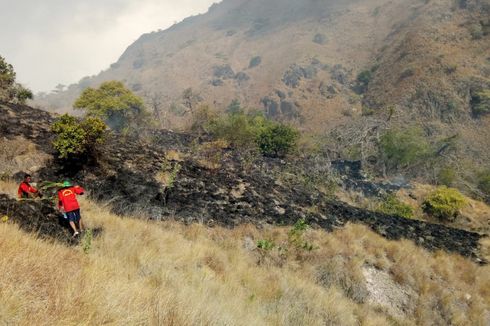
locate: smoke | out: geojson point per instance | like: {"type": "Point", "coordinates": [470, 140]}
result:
{"type": "Point", "coordinates": [57, 41]}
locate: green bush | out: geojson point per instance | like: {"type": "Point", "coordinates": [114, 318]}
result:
{"type": "Point", "coordinates": [265, 244]}
{"type": "Point", "coordinates": [402, 148]}
{"type": "Point", "coordinates": [277, 140]}
{"type": "Point", "coordinates": [444, 203]}
{"type": "Point", "coordinates": [296, 235]}
{"type": "Point", "coordinates": [393, 206]}
{"type": "Point", "coordinates": [480, 102]}
{"type": "Point", "coordinates": [247, 131]}
{"type": "Point", "coordinates": [75, 138]}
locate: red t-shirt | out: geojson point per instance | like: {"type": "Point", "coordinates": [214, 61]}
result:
{"type": "Point", "coordinates": [68, 199]}
{"type": "Point", "coordinates": [25, 189]}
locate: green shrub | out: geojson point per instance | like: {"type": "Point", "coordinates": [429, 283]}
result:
{"type": "Point", "coordinates": [393, 206]}
{"type": "Point", "coordinates": [444, 203]}
{"type": "Point", "coordinates": [75, 138]}
{"type": "Point", "coordinates": [277, 140]}
{"type": "Point", "coordinates": [401, 148]}
{"type": "Point", "coordinates": [480, 102]}
{"type": "Point", "coordinates": [265, 244]}
{"type": "Point", "coordinates": [296, 235]}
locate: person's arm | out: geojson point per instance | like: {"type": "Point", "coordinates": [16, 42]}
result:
{"type": "Point", "coordinates": [31, 189]}
{"type": "Point", "coordinates": [79, 190]}
{"type": "Point", "coordinates": [60, 202]}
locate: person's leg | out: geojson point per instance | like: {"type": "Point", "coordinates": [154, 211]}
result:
{"type": "Point", "coordinates": [81, 226]}
{"type": "Point", "coordinates": [73, 226]}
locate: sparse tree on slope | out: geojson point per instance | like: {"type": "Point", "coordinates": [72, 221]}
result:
{"type": "Point", "coordinates": [114, 103]}
{"type": "Point", "coordinates": [10, 91]}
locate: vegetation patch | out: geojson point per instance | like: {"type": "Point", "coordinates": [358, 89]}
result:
{"type": "Point", "coordinates": [113, 103]}
{"type": "Point", "coordinates": [403, 147]}
{"type": "Point", "coordinates": [393, 206]}
{"type": "Point", "coordinates": [444, 203]}
{"type": "Point", "coordinates": [75, 138]}
{"type": "Point", "coordinates": [10, 90]}
{"type": "Point", "coordinates": [480, 102]}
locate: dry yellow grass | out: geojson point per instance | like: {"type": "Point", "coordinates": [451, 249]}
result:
{"type": "Point", "coordinates": [167, 273]}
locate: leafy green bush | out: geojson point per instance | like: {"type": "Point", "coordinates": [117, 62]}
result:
{"type": "Point", "coordinates": [75, 138]}
{"type": "Point", "coordinates": [296, 235]}
{"type": "Point", "coordinates": [401, 148]}
{"type": "Point", "coordinates": [113, 103]}
{"type": "Point", "coordinates": [265, 244]}
{"type": "Point", "coordinates": [251, 131]}
{"type": "Point", "coordinates": [277, 140]}
{"type": "Point", "coordinates": [393, 206]}
{"type": "Point", "coordinates": [480, 102]}
{"type": "Point", "coordinates": [444, 203]}
{"type": "Point", "coordinates": [10, 91]}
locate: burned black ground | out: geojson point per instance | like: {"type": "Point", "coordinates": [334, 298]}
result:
{"type": "Point", "coordinates": [126, 169]}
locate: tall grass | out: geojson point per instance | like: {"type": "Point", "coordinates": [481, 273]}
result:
{"type": "Point", "coordinates": [167, 273]}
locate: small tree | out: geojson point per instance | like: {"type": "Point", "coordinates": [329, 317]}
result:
{"type": "Point", "coordinates": [277, 140]}
{"type": "Point", "coordinates": [10, 91]}
{"type": "Point", "coordinates": [75, 138]}
{"type": "Point", "coordinates": [113, 103]}
{"type": "Point", "coordinates": [401, 148]}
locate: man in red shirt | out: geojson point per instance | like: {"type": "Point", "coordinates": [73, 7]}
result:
{"type": "Point", "coordinates": [68, 205]}
{"type": "Point", "coordinates": [25, 189]}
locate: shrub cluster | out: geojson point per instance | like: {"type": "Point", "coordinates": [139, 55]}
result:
{"type": "Point", "coordinates": [75, 138]}
{"type": "Point", "coordinates": [393, 206]}
{"type": "Point", "coordinates": [247, 131]}
{"type": "Point", "coordinates": [444, 203]}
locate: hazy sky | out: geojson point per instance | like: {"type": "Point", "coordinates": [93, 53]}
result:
{"type": "Point", "coordinates": [60, 41]}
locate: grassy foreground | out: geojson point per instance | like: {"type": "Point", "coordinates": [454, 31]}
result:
{"type": "Point", "coordinates": [140, 272]}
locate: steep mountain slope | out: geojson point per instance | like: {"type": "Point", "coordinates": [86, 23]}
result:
{"type": "Point", "coordinates": [350, 69]}
{"type": "Point", "coordinates": [301, 54]}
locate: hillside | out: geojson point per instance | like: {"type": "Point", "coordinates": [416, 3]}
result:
{"type": "Point", "coordinates": [171, 227]}
{"type": "Point", "coordinates": [345, 71]}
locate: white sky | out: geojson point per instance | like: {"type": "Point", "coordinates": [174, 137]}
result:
{"type": "Point", "coordinates": [60, 41]}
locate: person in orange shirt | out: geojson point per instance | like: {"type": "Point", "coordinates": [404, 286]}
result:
{"type": "Point", "coordinates": [68, 205]}
{"type": "Point", "coordinates": [25, 189]}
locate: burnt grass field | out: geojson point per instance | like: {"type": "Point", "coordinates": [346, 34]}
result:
{"type": "Point", "coordinates": [125, 173]}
